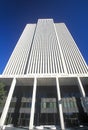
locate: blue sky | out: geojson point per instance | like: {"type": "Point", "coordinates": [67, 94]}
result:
{"type": "Point", "coordinates": [15, 14]}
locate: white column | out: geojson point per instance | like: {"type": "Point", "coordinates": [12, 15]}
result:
{"type": "Point", "coordinates": [33, 105]}
{"type": "Point", "coordinates": [83, 99]}
{"type": "Point", "coordinates": [60, 105]}
{"type": "Point", "coordinates": [81, 87]}
{"type": "Point", "coordinates": [7, 104]}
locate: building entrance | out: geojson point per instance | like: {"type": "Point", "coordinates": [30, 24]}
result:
{"type": "Point", "coordinates": [46, 109]}
{"type": "Point", "coordinates": [48, 114]}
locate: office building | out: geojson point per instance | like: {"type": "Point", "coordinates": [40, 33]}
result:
{"type": "Point", "coordinates": [46, 79]}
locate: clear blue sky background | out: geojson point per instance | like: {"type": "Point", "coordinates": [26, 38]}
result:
{"type": "Point", "coordinates": [15, 14]}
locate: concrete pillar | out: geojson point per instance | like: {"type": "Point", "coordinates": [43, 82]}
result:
{"type": "Point", "coordinates": [81, 87]}
{"type": "Point", "coordinates": [7, 104]}
{"type": "Point", "coordinates": [60, 105]}
{"type": "Point", "coordinates": [33, 105]}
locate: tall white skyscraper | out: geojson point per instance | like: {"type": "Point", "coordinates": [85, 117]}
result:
{"type": "Point", "coordinates": [46, 47]}
{"type": "Point", "coordinates": [46, 79]}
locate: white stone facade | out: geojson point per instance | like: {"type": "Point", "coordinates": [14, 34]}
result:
{"type": "Point", "coordinates": [46, 55]}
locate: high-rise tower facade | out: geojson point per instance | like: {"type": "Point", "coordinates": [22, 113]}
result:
{"type": "Point", "coordinates": [46, 79]}
{"type": "Point", "coordinates": [46, 47]}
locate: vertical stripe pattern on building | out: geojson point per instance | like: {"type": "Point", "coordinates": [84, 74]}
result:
{"type": "Point", "coordinates": [46, 47]}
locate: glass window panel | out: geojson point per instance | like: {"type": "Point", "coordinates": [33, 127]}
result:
{"type": "Point", "coordinates": [54, 103]}
{"type": "Point", "coordinates": [51, 105]}
{"type": "Point", "coordinates": [24, 104]}
{"type": "Point", "coordinates": [65, 104]}
{"type": "Point", "coordinates": [47, 105]}
{"type": "Point", "coordinates": [12, 104]}
{"type": "Point", "coordinates": [43, 105]}
{"type": "Point", "coordinates": [71, 104]}
{"type": "Point", "coordinates": [28, 104]}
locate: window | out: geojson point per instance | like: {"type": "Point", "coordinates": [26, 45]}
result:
{"type": "Point", "coordinates": [43, 104]}
{"type": "Point", "coordinates": [48, 105]}
{"type": "Point", "coordinates": [28, 104]}
{"type": "Point", "coordinates": [24, 104]}
{"type": "Point", "coordinates": [12, 104]}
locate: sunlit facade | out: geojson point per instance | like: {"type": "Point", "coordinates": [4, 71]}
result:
{"type": "Point", "coordinates": [46, 79]}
